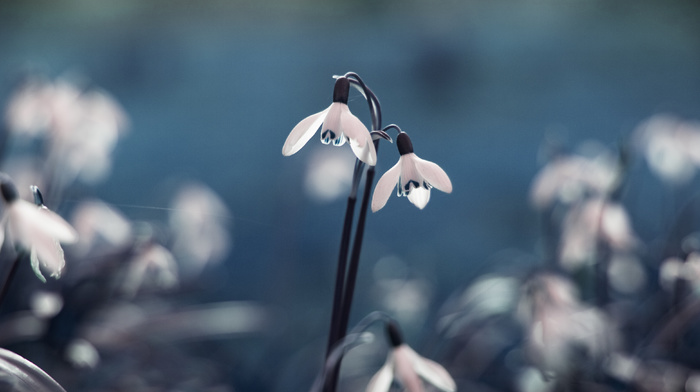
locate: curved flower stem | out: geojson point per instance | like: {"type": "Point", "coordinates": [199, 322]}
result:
{"type": "Point", "coordinates": [348, 342]}
{"type": "Point", "coordinates": [372, 100]}
{"type": "Point", "coordinates": [356, 248]}
{"type": "Point", "coordinates": [392, 126]}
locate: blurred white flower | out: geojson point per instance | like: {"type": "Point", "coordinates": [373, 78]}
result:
{"type": "Point", "coordinates": [406, 299]}
{"type": "Point", "coordinates": [407, 367]}
{"type": "Point", "coordinates": [569, 178]}
{"type": "Point", "coordinates": [100, 226]}
{"type": "Point", "coordinates": [671, 147]}
{"type": "Point", "coordinates": [85, 133]}
{"type": "Point", "coordinates": [626, 274]}
{"type": "Point", "coordinates": [82, 354]}
{"type": "Point", "coordinates": [674, 268]}
{"type": "Point", "coordinates": [36, 229]}
{"type": "Point", "coordinates": [413, 177]}
{"type": "Point", "coordinates": [329, 175]}
{"type": "Point", "coordinates": [45, 304]}
{"type": "Point", "coordinates": [153, 264]}
{"type": "Point", "coordinates": [337, 125]}
{"type": "Point", "coordinates": [560, 330]}
{"type": "Point", "coordinates": [490, 295]}
{"type": "Point", "coordinates": [199, 221]}
{"type": "Point", "coordinates": [82, 126]}
{"type": "Point", "coordinates": [592, 221]}
{"type": "Point", "coordinates": [28, 111]}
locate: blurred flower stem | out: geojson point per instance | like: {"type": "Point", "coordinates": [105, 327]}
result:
{"type": "Point", "coordinates": [10, 276]}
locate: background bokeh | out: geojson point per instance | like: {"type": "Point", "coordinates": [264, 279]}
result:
{"type": "Point", "coordinates": [212, 89]}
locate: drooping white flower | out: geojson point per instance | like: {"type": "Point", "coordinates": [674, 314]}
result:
{"type": "Point", "coordinates": [670, 146]}
{"type": "Point", "coordinates": [82, 127]}
{"type": "Point", "coordinates": [200, 223]}
{"type": "Point", "coordinates": [101, 228]}
{"type": "Point", "coordinates": [338, 125]}
{"type": "Point", "coordinates": [590, 222]}
{"type": "Point", "coordinates": [153, 264]}
{"type": "Point", "coordinates": [568, 179]}
{"type": "Point", "coordinates": [36, 229]}
{"type": "Point", "coordinates": [404, 365]}
{"type": "Point", "coordinates": [413, 177]}
{"type": "Point", "coordinates": [559, 328]}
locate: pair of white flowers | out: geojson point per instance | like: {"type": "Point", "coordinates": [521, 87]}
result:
{"type": "Point", "coordinates": [35, 228]}
{"type": "Point", "coordinates": [413, 176]}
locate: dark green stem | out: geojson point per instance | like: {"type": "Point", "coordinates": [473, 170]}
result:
{"type": "Point", "coordinates": [332, 381]}
{"type": "Point", "coordinates": [340, 275]}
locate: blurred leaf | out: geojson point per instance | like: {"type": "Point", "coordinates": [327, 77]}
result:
{"type": "Point", "coordinates": [18, 375]}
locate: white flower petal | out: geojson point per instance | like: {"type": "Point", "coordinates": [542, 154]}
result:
{"type": "Point", "coordinates": [433, 373]}
{"type": "Point", "coordinates": [29, 219]}
{"type": "Point", "coordinates": [405, 373]}
{"type": "Point", "coordinates": [50, 255]}
{"type": "Point", "coordinates": [433, 174]}
{"type": "Point", "coordinates": [419, 197]}
{"type": "Point", "coordinates": [34, 262]}
{"type": "Point", "coordinates": [360, 139]}
{"type": "Point", "coordinates": [302, 132]}
{"type": "Point", "coordinates": [331, 131]}
{"type": "Point", "coordinates": [385, 187]}
{"type": "Point", "coordinates": [58, 228]}
{"type": "Point", "coordinates": [409, 172]}
{"type": "Point", "coordinates": [381, 381]}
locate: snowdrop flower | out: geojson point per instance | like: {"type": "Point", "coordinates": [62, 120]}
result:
{"type": "Point", "coordinates": [28, 112]}
{"type": "Point", "coordinates": [670, 146]}
{"type": "Point", "coordinates": [674, 268]}
{"type": "Point", "coordinates": [101, 228]}
{"type": "Point", "coordinates": [407, 367]}
{"type": "Point", "coordinates": [199, 220]}
{"type": "Point", "coordinates": [569, 178]}
{"type": "Point", "coordinates": [82, 126]}
{"type": "Point", "coordinates": [337, 125]}
{"type": "Point", "coordinates": [152, 265]}
{"type": "Point", "coordinates": [559, 328]}
{"type": "Point", "coordinates": [35, 228]}
{"type": "Point", "coordinates": [592, 221]}
{"type": "Point", "coordinates": [414, 177]}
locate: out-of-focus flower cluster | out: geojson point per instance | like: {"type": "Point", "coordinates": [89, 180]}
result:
{"type": "Point", "coordinates": [110, 306]}
{"type": "Point", "coordinates": [79, 127]}
{"type": "Point", "coordinates": [599, 307]}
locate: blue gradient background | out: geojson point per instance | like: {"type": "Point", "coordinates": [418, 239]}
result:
{"type": "Point", "coordinates": [213, 88]}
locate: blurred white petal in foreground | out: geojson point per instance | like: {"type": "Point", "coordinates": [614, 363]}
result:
{"type": "Point", "coordinates": [200, 223]}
